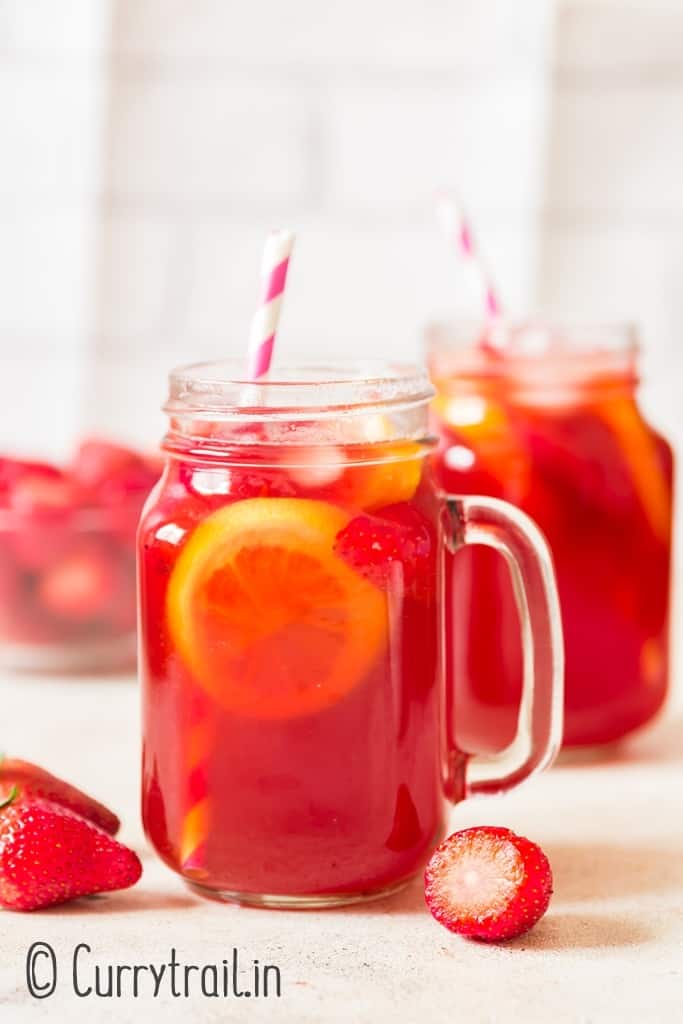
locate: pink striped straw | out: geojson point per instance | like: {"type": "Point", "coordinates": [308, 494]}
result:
{"type": "Point", "coordinates": [196, 821]}
{"type": "Point", "coordinates": [457, 231]}
{"type": "Point", "coordinates": [274, 265]}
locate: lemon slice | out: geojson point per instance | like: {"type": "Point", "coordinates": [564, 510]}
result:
{"type": "Point", "coordinates": [269, 620]}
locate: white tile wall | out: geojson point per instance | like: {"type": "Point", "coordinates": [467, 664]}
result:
{"type": "Point", "coordinates": [40, 29]}
{"type": "Point", "coordinates": [122, 396]}
{"type": "Point", "coordinates": [392, 143]}
{"type": "Point", "coordinates": [147, 145]}
{"type": "Point", "coordinates": [53, 93]}
{"type": "Point", "coordinates": [612, 243]}
{"type": "Point", "coordinates": [42, 398]}
{"type": "Point", "coordinates": [618, 149]}
{"type": "Point", "coordinates": [176, 139]}
{"type": "Point", "coordinates": [49, 124]}
{"type": "Point", "coordinates": [630, 37]}
{"type": "Point", "coordinates": [46, 273]}
{"type": "Point", "coordinates": [133, 288]}
{"type": "Point", "coordinates": [417, 34]}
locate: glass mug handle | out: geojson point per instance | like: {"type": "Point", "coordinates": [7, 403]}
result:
{"type": "Point", "coordinates": [499, 525]}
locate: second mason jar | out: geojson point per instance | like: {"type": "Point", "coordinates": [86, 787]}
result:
{"type": "Point", "coordinates": [547, 418]}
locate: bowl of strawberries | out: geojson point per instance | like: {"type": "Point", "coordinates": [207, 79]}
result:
{"type": "Point", "coordinates": [67, 558]}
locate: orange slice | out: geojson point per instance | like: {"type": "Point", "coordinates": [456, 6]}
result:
{"type": "Point", "coordinates": [393, 478]}
{"type": "Point", "coordinates": [270, 621]}
{"type": "Point", "coordinates": [485, 428]}
{"type": "Point", "coordinates": [471, 414]}
{"type": "Point", "coordinates": [639, 449]}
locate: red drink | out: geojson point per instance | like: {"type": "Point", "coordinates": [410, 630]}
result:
{"type": "Point", "coordinates": [560, 435]}
{"type": "Point", "coordinates": [290, 642]}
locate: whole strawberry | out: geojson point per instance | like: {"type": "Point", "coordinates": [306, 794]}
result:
{"type": "Point", "coordinates": [33, 781]}
{"type": "Point", "coordinates": [488, 883]}
{"type": "Point", "coordinates": [50, 855]}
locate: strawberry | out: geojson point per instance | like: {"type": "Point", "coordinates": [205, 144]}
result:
{"type": "Point", "coordinates": [81, 586]}
{"type": "Point", "coordinates": [396, 542]}
{"type": "Point", "coordinates": [36, 782]}
{"type": "Point", "coordinates": [111, 473]}
{"type": "Point", "coordinates": [488, 883]}
{"type": "Point", "coordinates": [12, 470]}
{"type": "Point", "coordinates": [50, 855]}
{"type": "Point", "coordinates": [41, 491]}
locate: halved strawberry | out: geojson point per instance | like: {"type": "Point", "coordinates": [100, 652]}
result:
{"type": "Point", "coordinates": [22, 620]}
{"type": "Point", "coordinates": [488, 883]}
{"type": "Point", "coordinates": [111, 473]}
{"type": "Point", "coordinates": [50, 855]}
{"type": "Point", "coordinates": [12, 469]}
{"type": "Point", "coordinates": [38, 541]}
{"type": "Point", "coordinates": [10, 588]}
{"type": "Point", "coordinates": [33, 781]}
{"type": "Point", "coordinates": [34, 492]}
{"type": "Point", "coordinates": [396, 544]}
{"type": "Point", "coordinates": [83, 585]}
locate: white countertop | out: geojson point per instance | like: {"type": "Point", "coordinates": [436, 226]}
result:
{"type": "Point", "coordinates": [609, 949]}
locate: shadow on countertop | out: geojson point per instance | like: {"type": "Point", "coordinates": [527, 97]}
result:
{"type": "Point", "coordinates": [135, 900]}
{"type": "Point", "coordinates": [561, 932]}
{"type": "Point", "coordinates": [610, 871]}
{"type": "Point", "coordinates": [659, 743]}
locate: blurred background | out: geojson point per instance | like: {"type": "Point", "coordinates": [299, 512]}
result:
{"type": "Point", "coordinates": [147, 145]}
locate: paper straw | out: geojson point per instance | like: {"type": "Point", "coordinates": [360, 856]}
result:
{"type": "Point", "coordinates": [197, 818]}
{"type": "Point", "coordinates": [274, 266]}
{"type": "Point", "coordinates": [458, 233]}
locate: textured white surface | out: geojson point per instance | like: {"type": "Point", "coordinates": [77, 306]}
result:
{"type": "Point", "coordinates": [608, 950]}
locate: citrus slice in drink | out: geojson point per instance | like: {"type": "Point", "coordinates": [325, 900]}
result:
{"type": "Point", "coordinates": [488, 441]}
{"type": "Point", "coordinates": [639, 449]}
{"type": "Point", "coordinates": [393, 479]}
{"type": "Point", "coordinates": [360, 476]}
{"type": "Point", "coordinates": [269, 620]}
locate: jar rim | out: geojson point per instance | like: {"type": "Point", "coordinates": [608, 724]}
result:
{"type": "Point", "coordinates": [222, 387]}
{"type": "Point", "coordinates": [544, 349]}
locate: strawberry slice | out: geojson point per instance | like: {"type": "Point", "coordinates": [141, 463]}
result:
{"type": "Point", "coordinates": [41, 489]}
{"type": "Point", "coordinates": [488, 883]}
{"type": "Point", "coordinates": [36, 782]}
{"type": "Point", "coordinates": [110, 473]}
{"type": "Point", "coordinates": [50, 855]}
{"type": "Point", "coordinates": [396, 544]}
{"type": "Point", "coordinates": [81, 586]}
{"type": "Point", "coordinates": [12, 470]}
